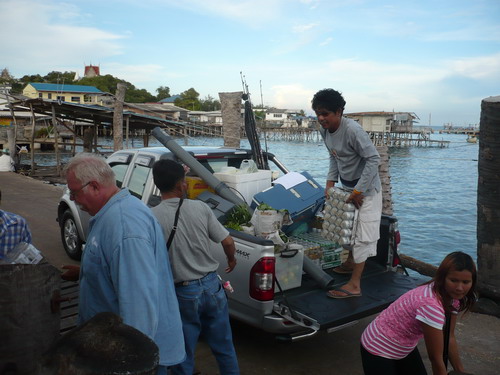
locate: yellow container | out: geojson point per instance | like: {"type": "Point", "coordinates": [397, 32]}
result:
{"type": "Point", "coordinates": [196, 186]}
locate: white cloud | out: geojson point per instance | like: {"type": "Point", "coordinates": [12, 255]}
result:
{"type": "Point", "coordinates": [148, 76]}
{"type": "Point", "coordinates": [46, 39]}
{"type": "Point", "coordinates": [482, 67]}
{"type": "Point", "coordinates": [291, 96]}
{"type": "Point", "coordinates": [251, 12]}
{"type": "Point", "coordinates": [326, 42]}
{"type": "Point", "coordinates": [304, 28]}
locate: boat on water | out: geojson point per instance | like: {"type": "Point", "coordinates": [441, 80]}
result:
{"type": "Point", "coordinates": [471, 138]}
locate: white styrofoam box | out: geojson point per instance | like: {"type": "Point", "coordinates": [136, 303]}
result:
{"type": "Point", "coordinates": [288, 268]}
{"type": "Point", "coordinates": [247, 184]}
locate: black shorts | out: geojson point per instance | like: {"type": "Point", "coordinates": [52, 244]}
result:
{"type": "Point", "coordinates": [412, 364]}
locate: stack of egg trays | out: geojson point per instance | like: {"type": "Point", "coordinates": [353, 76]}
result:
{"type": "Point", "coordinates": [323, 252]}
{"type": "Point", "coordinates": [312, 250]}
{"type": "Point", "coordinates": [340, 218]}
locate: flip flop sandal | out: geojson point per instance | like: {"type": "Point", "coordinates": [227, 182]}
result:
{"type": "Point", "coordinates": [347, 294]}
{"type": "Point", "coordinates": [343, 270]}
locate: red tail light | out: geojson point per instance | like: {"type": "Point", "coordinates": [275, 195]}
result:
{"type": "Point", "coordinates": [397, 238]}
{"type": "Point", "coordinates": [262, 279]}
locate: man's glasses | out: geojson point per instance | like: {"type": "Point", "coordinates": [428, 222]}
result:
{"type": "Point", "coordinates": [73, 193]}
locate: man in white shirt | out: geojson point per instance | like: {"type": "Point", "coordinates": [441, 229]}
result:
{"type": "Point", "coordinates": [6, 162]}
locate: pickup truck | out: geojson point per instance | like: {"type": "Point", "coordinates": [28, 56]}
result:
{"type": "Point", "coordinates": [292, 314]}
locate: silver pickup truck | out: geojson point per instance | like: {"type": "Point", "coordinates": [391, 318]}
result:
{"type": "Point", "coordinates": [292, 314]}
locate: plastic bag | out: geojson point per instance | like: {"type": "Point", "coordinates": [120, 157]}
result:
{"type": "Point", "coordinates": [22, 253]}
{"type": "Point", "coordinates": [248, 166]}
{"type": "Point", "coordinates": [268, 221]}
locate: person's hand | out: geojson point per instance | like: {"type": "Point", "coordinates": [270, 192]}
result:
{"type": "Point", "coordinates": [329, 184]}
{"type": "Point", "coordinates": [356, 198]}
{"type": "Point", "coordinates": [231, 263]}
{"type": "Point", "coordinates": [72, 273]}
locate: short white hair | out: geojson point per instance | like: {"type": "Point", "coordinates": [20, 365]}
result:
{"type": "Point", "coordinates": [91, 167]}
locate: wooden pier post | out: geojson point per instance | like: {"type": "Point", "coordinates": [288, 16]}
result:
{"type": "Point", "coordinates": [488, 202]}
{"type": "Point", "coordinates": [231, 117]}
{"type": "Point", "coordinates": [56, 141]}
{"type": "Point", "coordinates": [118, 117]}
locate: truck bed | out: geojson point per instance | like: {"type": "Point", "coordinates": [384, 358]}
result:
{"type": "Point", "coordinates": [379, 288]}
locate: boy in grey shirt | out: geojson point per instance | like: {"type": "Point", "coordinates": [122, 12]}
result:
{"type": "Point", "coordinates": [354, 163]}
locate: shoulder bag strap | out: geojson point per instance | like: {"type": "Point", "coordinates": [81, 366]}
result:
{"type": "Point", "coordinates": [174, 228]}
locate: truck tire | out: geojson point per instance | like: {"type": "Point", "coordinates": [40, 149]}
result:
{"type": "Point", "coordinates": [70, 237]}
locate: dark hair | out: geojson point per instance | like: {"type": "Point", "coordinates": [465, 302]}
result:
{"type": "Point", "coordinates": [456, 261]}
{"type": "Point", "coordinates": [166, 174]}
{"type": "Point", "coordinates": [328, 99]}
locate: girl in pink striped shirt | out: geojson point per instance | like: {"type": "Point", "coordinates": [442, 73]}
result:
{"type": "Point", "coordinates": [389, 343]}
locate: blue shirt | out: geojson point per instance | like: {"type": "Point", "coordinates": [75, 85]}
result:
{"type": "Point", "coordinates": [13, 230]}
{"type": "Point", "coordinates": [125, 270]}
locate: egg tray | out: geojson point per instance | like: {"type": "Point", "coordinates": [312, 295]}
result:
{"type": "Point", "coordinates": [339, 218]}
{"type": "Point", "coordinates": [323, 252]}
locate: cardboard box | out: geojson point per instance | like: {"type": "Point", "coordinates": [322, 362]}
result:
{"type": "Point", "coordinates": [246, 184]}
{"type": "Point", "coordinates": [288, 269]}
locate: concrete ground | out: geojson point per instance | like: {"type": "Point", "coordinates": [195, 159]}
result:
{"type": "Point", "coordinates": [259, 353]}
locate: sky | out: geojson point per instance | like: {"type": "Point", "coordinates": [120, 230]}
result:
{"type": "Point", "coordinates": [436, 58]}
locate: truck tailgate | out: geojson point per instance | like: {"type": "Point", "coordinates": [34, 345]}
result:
{"type": "Point", "coordinates": [379, 288]}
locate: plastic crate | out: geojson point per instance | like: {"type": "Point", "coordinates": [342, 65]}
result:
{"type": "Point", "coordinates": [288, 269]}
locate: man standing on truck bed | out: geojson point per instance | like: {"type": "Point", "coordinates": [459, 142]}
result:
{"type": "Point", "coordinates": [190, 226]}
{"type": "Point", "coordinates": [354, 162]}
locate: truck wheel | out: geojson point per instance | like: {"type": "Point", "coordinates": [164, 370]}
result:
{"type": "Point", "coordinates": [70, 238]}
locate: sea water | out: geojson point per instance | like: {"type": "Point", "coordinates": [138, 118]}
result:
{"type": "Point", "coordinates": [434, 190]}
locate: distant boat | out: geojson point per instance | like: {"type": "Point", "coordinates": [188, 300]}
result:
{"type": "Point", "coordinates": [471, 138]}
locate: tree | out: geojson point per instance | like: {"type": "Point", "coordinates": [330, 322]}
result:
{"type": "Point", "coordinates": [189, 100]}
{"type": "Point", "coordinates": [209, 104]}
{"type": "Point", "coordinates": [108, 83]}
{"type": "Point", "coordinates": [61, 78]}
{"type": "Point", "coordinates": [163, 92]}
{"type": "Point", "coordinates": [5, 76]}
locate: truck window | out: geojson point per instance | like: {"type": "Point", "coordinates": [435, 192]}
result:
{"type": "Point", "coordinates": [138, 180]}
{"type": "Point", "coordinates": [120, 170]}
{"type": "Point", "coordinates": [119, 164]}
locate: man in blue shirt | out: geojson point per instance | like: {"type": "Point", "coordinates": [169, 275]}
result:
{"type": "Point", "coordinates": [13, 230]}
{"type": "Point", "coordinates": [125, 267]}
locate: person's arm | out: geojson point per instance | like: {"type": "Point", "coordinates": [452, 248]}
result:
{"type": "Point", "coordinates": [365, 148]}
{"type": "Point", "coordinates": [229, 250]}
{"type": "Point", "coordinates": [453, 353]}
{"type": "Point", "coordinates": [72, 272]}
{"type": "Point", "coordinates": [434, 343]}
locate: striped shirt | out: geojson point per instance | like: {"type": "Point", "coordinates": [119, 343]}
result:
{"type": "Point", "coordinates": [13, 230]}
{"type": "Point", "coordinates": [397, 330]}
